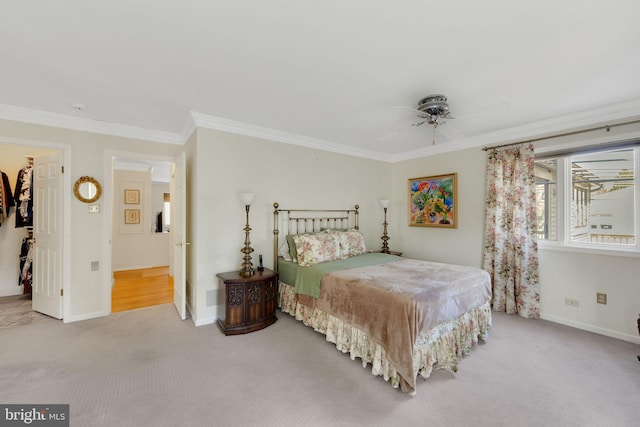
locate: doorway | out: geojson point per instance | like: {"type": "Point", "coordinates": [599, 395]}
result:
{"type": "Point", "coordinates": [32, 272]}
{"type": "Point", "coordinates": [142, 259]}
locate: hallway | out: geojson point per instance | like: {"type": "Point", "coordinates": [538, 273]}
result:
{"type": "Point", "coordinates": [141, 288]}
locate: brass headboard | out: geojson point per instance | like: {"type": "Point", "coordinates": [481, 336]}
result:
{"type": "Point", "coordinates": [309, 220]}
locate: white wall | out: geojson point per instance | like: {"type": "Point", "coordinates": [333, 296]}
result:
{"type": "Point", "coordinates": [12, 159]}
{"type": "Point", "coordinates": [462, 245]}
{"type": "Point", "coordinates": [580, 276]}
{"type": "Point", "coordinates": [137, 245]}
{"type": "Point", "coordinates": [293, 176]}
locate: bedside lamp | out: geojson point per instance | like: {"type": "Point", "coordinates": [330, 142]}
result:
{"type": "Point", "coordinates": [385, 238]}
{"type": "Point", "coordinates": [247, 266]}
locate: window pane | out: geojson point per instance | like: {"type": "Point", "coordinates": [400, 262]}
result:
{"type": "Point", "coordinates": [546, 198]}
{"type": "Point", "coordinates": [602, 203]}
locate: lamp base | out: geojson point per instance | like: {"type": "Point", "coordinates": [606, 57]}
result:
{"type": "Point", "coordinates": [247, 273]}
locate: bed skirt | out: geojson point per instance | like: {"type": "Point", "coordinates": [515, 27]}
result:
{"type": "Point", "coordinates": [440, 347]}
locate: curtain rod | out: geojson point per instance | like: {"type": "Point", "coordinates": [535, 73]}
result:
{"type": "Point", "coordinates": [607, 127]}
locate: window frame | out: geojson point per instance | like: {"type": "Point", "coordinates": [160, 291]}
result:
{"type": "Point", "coordinates": [564, 194]}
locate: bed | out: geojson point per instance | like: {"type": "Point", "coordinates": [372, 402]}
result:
{"type": "Point", "coordinates": [401, 316]}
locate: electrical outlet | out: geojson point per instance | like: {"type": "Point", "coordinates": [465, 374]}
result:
{"type": "Point", "coordinates": [601, 298]}
{"type": "Point", "coordinates": [572, 302]}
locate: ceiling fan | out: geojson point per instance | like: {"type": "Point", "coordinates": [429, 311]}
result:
{"type": "Point", "coordinates": [433, 110]}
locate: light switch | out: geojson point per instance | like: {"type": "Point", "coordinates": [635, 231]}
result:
{"type": "Point", "coordinates": [94, 208]}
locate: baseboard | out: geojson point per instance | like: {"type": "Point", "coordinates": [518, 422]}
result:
{"type": "Point", "coordinates": [11, 293]}
{"type": "Point", "coordinates": [207, 321]}
{"type": "Point", "coordinates": [591, 328]}
{"type": "Point", "coordinates": [85, 316]}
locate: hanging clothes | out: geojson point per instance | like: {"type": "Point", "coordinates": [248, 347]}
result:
{"type": "Point", "coordinates": [23, 197]}
{"type": "Point", "coordinates": [6, 198]}
{"type": "Point", "coordinates": [26, 261]}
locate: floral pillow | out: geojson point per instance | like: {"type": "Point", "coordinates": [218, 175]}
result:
{"type": "Point", "coordinates": [314, 248]}
{"type": "Point", "coordinates": [351, 243]}
{"type": "Point", "coordinates": [355, 243]}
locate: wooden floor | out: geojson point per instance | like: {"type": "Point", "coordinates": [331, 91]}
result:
{"type": "Point", "coordinates": [141, 288]}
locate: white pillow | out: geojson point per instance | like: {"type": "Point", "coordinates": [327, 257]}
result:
{"type": "Point", "coordinates": [284, 251]}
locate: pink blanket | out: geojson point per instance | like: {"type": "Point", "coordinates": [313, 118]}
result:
{"type": "Point", "coordinates": [394, 302]}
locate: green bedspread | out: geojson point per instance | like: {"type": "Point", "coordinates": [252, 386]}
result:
{"type": "Point", "coordinates": [308, 279]}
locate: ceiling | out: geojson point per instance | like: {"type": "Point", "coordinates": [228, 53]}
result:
{"type": "Point", "coordinates": [325, 73]}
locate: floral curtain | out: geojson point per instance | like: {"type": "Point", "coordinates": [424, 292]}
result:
{"type": "Point", "coordinates": [510, 241]}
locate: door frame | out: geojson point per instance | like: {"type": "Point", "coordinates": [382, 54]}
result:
{"type": "Point", "coordinates": [65, 204]}
{"type": "Point", "coordinates": [109, 158]}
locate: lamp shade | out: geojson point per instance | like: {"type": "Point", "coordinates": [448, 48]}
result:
{"type": "Point", "coordinates": [247, 198]}
{"type": "Point", "coordinates": [385, 203]}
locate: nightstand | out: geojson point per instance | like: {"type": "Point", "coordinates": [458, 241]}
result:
{"type": "Point", "coordinates": [250, 302]}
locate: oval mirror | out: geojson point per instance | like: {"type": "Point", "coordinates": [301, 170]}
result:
{"type": "Point", "coordinates": [87, 190]}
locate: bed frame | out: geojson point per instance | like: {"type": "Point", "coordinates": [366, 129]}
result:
{"type": "Point", "coordinates": [296, 221]}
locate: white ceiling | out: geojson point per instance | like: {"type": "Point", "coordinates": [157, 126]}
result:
{"type": "Point", "coordinates": [322, 72]}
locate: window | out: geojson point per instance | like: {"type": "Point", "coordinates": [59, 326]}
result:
{"type": "Point", "coordinates": [589, 198]}
{"type": "Point", "coordinates": [546, 198]}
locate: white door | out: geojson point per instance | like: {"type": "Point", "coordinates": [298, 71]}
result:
{"type": "Point", "coordinates": [47, 231]}
{"type": "Point", "coordinates": [178, 233]}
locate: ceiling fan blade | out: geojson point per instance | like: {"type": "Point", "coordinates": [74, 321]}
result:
{"type": "Point", "coordinates": [393, 134]}
{"type": "Point", "coordinates": [450, 132]}
{"type": "Point", "coordinates": [400, 130]}
{"type": "Point", "coordinates": [410, 110]}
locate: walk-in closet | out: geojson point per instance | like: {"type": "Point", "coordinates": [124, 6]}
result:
{"type": "Point", "coordinates": [16, 224]}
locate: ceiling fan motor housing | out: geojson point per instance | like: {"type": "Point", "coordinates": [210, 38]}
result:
{"type": "Point", "coordinates": [434, 107]}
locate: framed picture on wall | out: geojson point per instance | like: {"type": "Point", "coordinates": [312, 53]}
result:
{"type": "Point", "coordinates": [433, 201]}
{"type": "Point", "coordinates": [132, 197]}
{"type": "Point", "coordinates": [132, 216]}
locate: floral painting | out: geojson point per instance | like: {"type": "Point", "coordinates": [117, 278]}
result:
{"type": "Point", "coordinates": [433, 201]}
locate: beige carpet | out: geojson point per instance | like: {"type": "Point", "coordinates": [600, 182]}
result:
{"type": "Point", "coordinates": [147, 368]}
{"type": "Point", "coordinates": [16, 310]}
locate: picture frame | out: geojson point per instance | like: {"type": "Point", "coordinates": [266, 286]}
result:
{"type": "Point", "coordinates": [433, 201]}
{"type": "Point", "coordinates": [131, 197]}
{"type": "Point", "coordinates": [132, 216]}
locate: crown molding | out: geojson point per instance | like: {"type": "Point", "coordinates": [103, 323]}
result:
{"type": "Point", "coordinates": [189, 128]}
{"type": "Point", "coordinates": [587, 118]}
{"type": "Point", "coordinates": [217, 123]}
{"type": "Point", "coordinates": [608, 115]}
{"type": "Point", "coordinates": [26, 115]}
